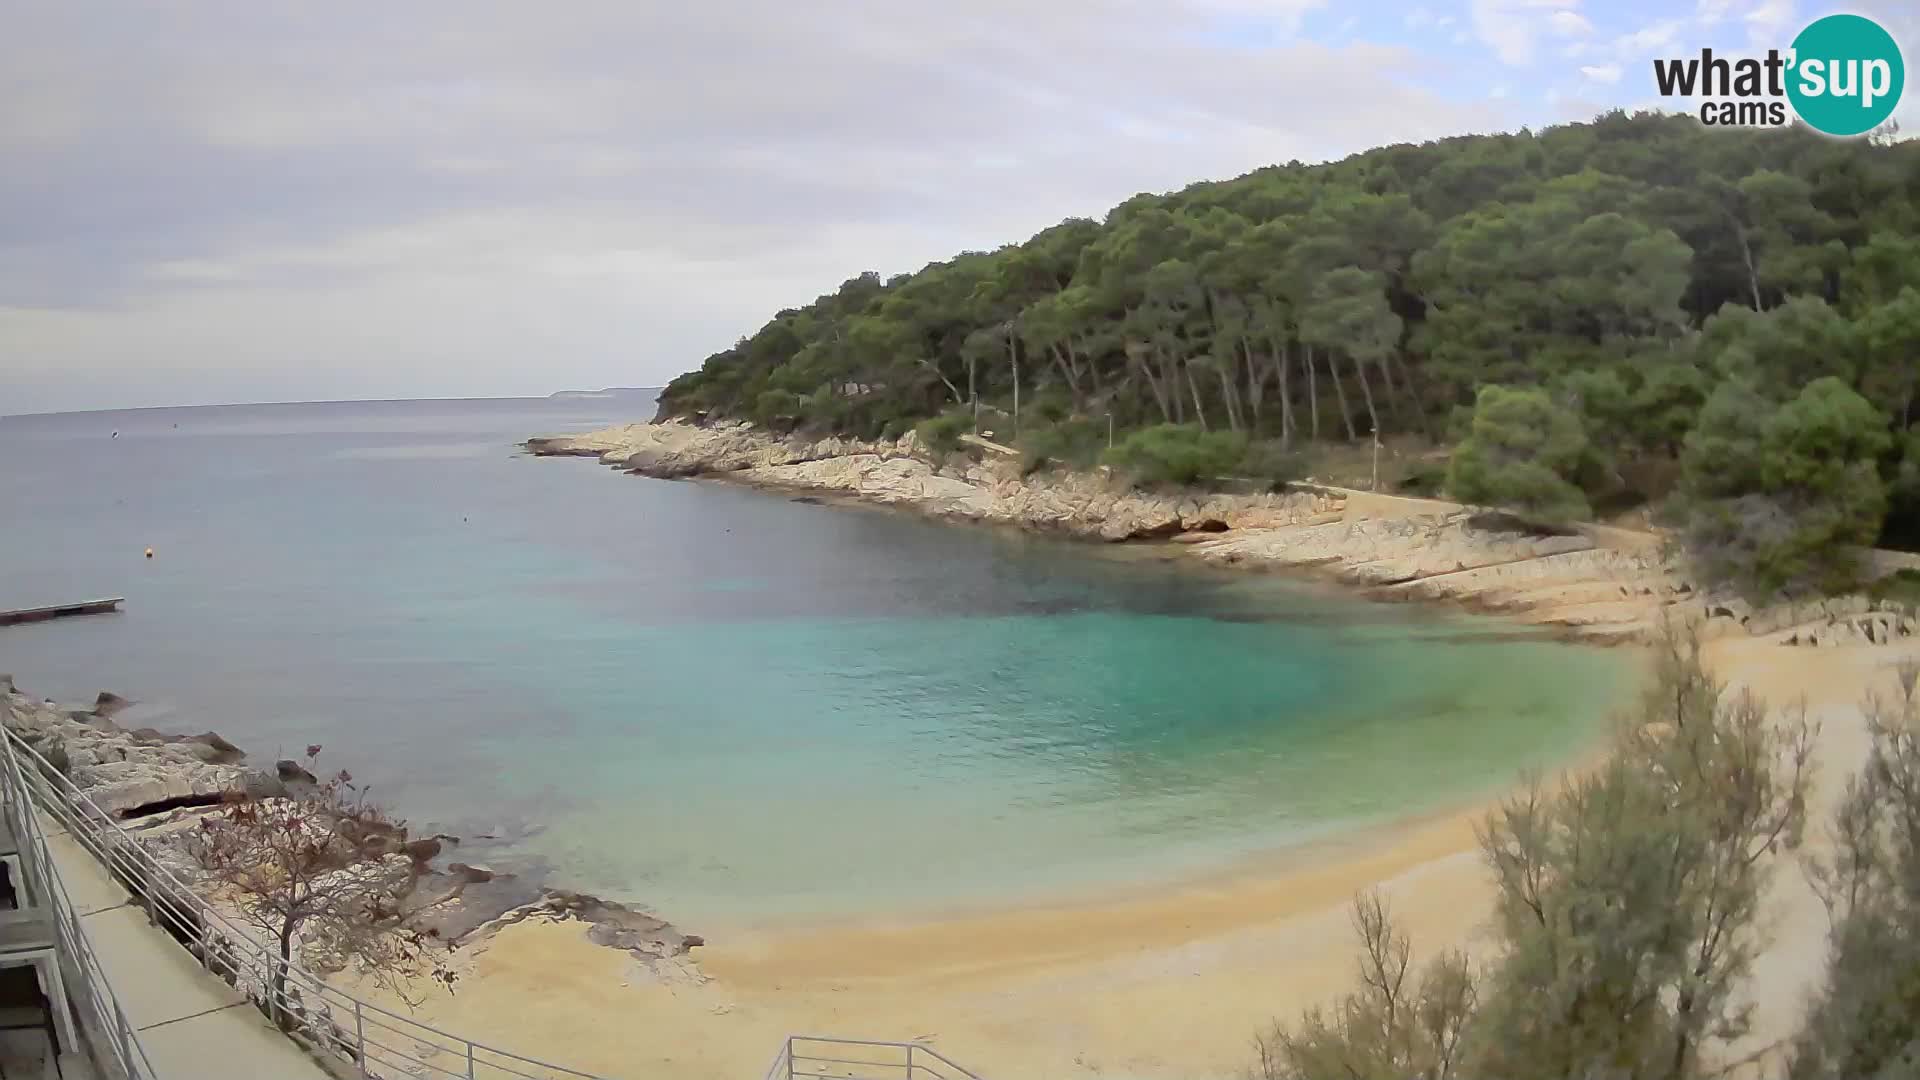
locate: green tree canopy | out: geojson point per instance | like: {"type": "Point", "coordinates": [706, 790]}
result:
{"type": "Point", "coordinates": [1631, 267]}
{"type": "Point", "coordinates": [1520, 452]}
{"type": "Point", "coordinates": [1782, 500]}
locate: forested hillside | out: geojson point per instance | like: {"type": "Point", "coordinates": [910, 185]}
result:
{"type": "Point", "coordinates": [1640, 309]}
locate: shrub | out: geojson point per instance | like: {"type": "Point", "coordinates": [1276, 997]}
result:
{"type": "Point", "coordinates": [941, 434]}
{"type": "Point", "coordinates": [1519, 454]}
{"type": "Point", "coordinates": [1424, 478]}
{"type": "Point", "coordinates": [1076, 444]}
{"type": "Point", "coordinates": [774, 408]}
{"type": "Point", "coordinates": [1177, 455]}
{"type": "Point", "coordinates": [1782, 500]}
{"type": "Point", "coordinates": [1865, 1021]}
{"type": "Point", "coordinates": [1271, 465]}
{"type": "Point", "coordinates": [1049, 406]}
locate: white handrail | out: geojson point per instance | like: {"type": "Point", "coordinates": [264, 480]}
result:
{"type": "Point", "coordinates": [330, 1020]}
{"type": "Point", "coordinates": [826, 1057]}
{"type": "Point", "coordinates": [380, 1043]}
{"type": "Point", "coordinates": [103, 1019]}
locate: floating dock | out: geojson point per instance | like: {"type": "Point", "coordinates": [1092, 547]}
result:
{"type": "Point", "coordinates": [61, 611]}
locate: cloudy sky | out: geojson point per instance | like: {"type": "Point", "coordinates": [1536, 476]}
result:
{"type": "Point", "coordinates": [263, 200]}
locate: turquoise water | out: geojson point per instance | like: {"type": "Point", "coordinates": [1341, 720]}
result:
{"type": "Point", "coordinates": [724, 704]}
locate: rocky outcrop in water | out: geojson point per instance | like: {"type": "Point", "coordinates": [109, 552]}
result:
{"type": "Point", "coordinates": [120, 770]}
{"type": "Point", "coordinates": [159, 785]}
{"type": "Point", "coordinates": [642, 935]}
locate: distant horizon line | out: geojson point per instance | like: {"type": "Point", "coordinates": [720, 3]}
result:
{"type": "Point", "coordinates": [560, 394]}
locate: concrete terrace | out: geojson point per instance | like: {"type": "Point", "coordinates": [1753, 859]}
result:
{"type": "Point", "coordinates": [191, 1023]}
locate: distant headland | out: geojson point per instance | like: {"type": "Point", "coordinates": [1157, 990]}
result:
{"type": "Point", "coordinates": [649, 393]}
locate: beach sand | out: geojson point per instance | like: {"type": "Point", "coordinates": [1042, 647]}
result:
{"type": "Point", "coordinates": [1167, 982]}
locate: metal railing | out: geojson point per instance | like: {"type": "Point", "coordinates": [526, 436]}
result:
{"type": "Point", "coordinates": [96, 1012]}
{"type": "Point", "coordinates": [819, 1057]}
{"type": "Point", "coordinates": [371, 1038]}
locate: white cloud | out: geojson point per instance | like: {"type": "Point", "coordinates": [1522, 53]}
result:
{"type": "Point", "coordinates": [1569, 24]}
{"type": "Point", "coordinates": [1419, 18]}
{"type": "Point", "coordinates": [1498, 92]}
{"type": "Point", "coordinates": [1767, 23]}
{"type": "Point", "coordinates": [526, 201]}
{"type": "Point", "coordinates": [1710, 12]}
{"type": "Point", "coordinates": [1575, 51]}
{"type": "Point", "coordinates": [1649, 40]}
{"type": "Point", "coordinates": [1510, 27]}
{"type": "Point", "coordinates": [1602, 73]}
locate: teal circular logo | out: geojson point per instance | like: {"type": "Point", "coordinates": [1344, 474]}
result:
{"type": "Point", "coordinates": [1847, 75]}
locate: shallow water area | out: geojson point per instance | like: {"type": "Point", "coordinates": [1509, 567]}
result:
{"type": "Point", "coordinates": [724, 704]}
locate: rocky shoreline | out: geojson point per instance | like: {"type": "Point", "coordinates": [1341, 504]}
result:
{"type": "Point", "coordinates": [158, 786]}
{"type": "Point", "coordinates": [1596, 584]}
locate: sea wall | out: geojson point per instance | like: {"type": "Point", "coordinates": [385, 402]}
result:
{"type": "Point", "coordinates": [1595, 583]}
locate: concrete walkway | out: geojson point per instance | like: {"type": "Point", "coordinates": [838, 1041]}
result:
{"type": "Point", "coordinates": [193, 1025]}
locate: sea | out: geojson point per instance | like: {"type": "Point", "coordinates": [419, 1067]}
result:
{"type": "Point", "coordinates": [730, 706]}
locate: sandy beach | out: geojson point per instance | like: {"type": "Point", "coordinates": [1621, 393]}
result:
{"type": "Point", "coordinates": [1172, 980]}
{"type": "Point", "coordinates": [1167, 982]}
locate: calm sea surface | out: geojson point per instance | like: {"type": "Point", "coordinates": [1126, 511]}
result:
{"type": "Point", "coordinates": [724, 704]}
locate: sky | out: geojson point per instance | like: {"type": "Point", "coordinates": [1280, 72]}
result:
{"type": "Point", "coordinates": [265, 200]}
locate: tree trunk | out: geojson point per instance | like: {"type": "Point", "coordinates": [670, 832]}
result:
{"type": "Point", "coordinates": [1170, 378]}
{"type": "Point", "coordinates": [1283, 371]}
{"type": "Point", "coordinates": [1313, 396]}
{"type": "Point", "coordinates": [1228, 393]}
{"type": "Point", "coordinates": [1393, 390]}
{"type": "Point", "coordinates": [277, 994]}
{"type": "Point", "coordinates": [1366, 391]}
{"type": "Point", "coordinates": [1067, 372]}
{"type": "Point", "coordinates": [973, 396]}
{"type": "Point", "coordinates": [1746, 251]}
{"type": "Point", "coordinates": [1420, 414]}
{"type": "Point", "coordinates": [1093, 367]}
{"type": "Point", "coordinates": [1683, 1046]}
{"type": "Point", "coordinates": [1153, 387]}
{"type": "Point", "coordinates": [1198, 411]}
{"type": "Point", "coordinates": [1256, 382]}
{"type": "Point", "coordinates": [1340, 395]}
{"type": "Point", "coordinates": [935, 368]}
{"type": "Point", "coordinates": [1013, 356]}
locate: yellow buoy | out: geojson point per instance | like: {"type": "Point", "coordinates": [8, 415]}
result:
{"type": "Point", "coordinates": [149, 553]}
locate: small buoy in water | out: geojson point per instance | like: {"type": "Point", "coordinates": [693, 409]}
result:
{"type": "Point", "coordinates": [116, 434]}
{"type": "Point", "coordinates": [149, 553]}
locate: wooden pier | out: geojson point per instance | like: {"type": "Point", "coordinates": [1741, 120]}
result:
{"type": "Point", "coordinates": [61, 611]}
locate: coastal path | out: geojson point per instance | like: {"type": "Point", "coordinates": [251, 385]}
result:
{"type": "Point", "coordinates": [189, 1022]}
